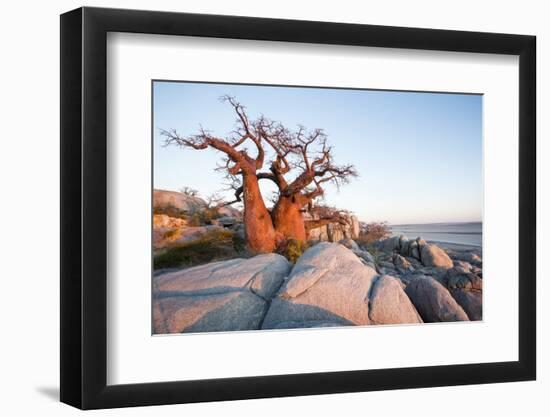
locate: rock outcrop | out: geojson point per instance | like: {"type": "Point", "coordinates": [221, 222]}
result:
{"type": "Point", "coordinates": [166, 229]}
{"type": "Point", "coordinates": [165, 237]}
{"type": "Point", "coordinates": [432, 255]}
{"type": "Point", "coordinates": [458, 273]}
{"type": "Point", "coordinates": [172, 199]}
{"type": "Point", "coordinates": [219, 296]}
{"type": "Point", "coordinates": [328, 286]}
{"type": "Point", "coordinates": [466, 288]}
{"type": "Point", "coordinates": [229, 311]}
{"type": "Point", "coordinates": [433, 301]}
{"type": "Point", "coordinates": [471, 301]}
{"type": "Point", "coordinates": [350, 244]}
{"type": "Point", "coordinates": [389, 304]}
{"type": "Point", "coordinates": [429, 254]}
{"type": "Point", "coordinates": [402, 264]}
{"type": "Point", "coordinates": [472, 258]}
{"type": "Point", "coordinates": [334, 232]}
{"type": "Point", "coordinates": [162, 221]}
{"type": "Point", "coordinates": [331, 284]}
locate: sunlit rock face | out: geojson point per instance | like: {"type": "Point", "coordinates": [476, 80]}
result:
{"type": "Point", "coordinates": [329, 285]}
{"type": "Point", "coordinates": [219, 296]}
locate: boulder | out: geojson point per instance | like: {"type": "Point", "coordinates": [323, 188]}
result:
{"type": "Point", "coordinates": [230, 212]}
{"type": "Point", "coordinates": [386, 264]}
{"type": "Point", "coordinates": [362, 254]}
{"type": "Point", "coordinates": [238, 229]}
{"type": "Point", "coordinates": [390, 244]}
{"type": "Point", "coordinates": [433, 301]}
{"type": "Point", "coordinates": [226, 221]}
{"type": "Point", "coordinates": [350, 244]}
{"type": "Point", "coordinates": [193, 233]}
{"type": "Point", "coordinates": [162, 221]}
{"type": "Point", "coordinates": [477, 270]}
{"type": "Point", "coordinates": [437, 272]}
{"type": "Point", "coordinates": [404, 246]}
{"type": "Point", "coordinates": [407, 277]}
{"type": "Point", "coordinates": [413, 249]}
{"type": "Point", "coordinates": [219, 296]}
{"type": "Point", "coordinates": [179, 201]}
{"type": "Point", "coordinates": [166, 229]}
{"type": "Point", "coordinates": [470, 301]}
{"type": "Point", "coordinates": [318, 234]}
{"type": "Point", "coordinates": [466, 281]}
{"type": "Point", "coordinates": [354, 227]}
{"type": "Point", "coordinates": [237, 310]}
{"type": "Point", "coordinates": [402, 264]}
{"type": "Point", "coordinates": [414, 262]}
{"type": "Point", "coordinates": [328, 285]}
{"type": "Point", "coordinates": [365, 255]}
{"type": "Point", "coordinates": [335, 232]}
{"type": "Point", "coordinates": [432, 255]}
{"type": "Point", "coordinates": [389, 304]}
{"type": "Point", "coordinates": [462, 275]}
{"type": "Point", "coordinates": [471, 257]}
{"type": "Point", "coordinates": [462, 265]}
{"type": "Point", "coordinates": [262, 274]}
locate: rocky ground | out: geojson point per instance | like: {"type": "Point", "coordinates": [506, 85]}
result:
{"type": "Point", "coordinates": [393, 281]}
{"type": "Point", "coordinates": [187, 231]}
{"type": "Point", "coordinates": [343, 282]}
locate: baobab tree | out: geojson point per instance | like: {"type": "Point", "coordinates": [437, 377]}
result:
{"type": "Point", "coordinates": [259, 230]}
{"type": "Point", "coordinates": [301, 163]}
{"type": "Point", "coordinates": [313, 166]}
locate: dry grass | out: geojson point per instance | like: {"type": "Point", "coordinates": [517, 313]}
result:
{"type": "Point", "coordinates": [292, 249]}
{"type": "Point", "coordinates": [213, 246]}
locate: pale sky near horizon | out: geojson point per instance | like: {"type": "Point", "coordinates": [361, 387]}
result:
{"type": "Point", "coordinates": [419, 155]}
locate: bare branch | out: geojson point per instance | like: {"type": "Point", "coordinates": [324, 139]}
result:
{"type": "Point", "coordinates": [238, 196]}
{"type": "Point", "coordinates": [323, 215]}
{"type": "Point", "coordinates": [304, 153]}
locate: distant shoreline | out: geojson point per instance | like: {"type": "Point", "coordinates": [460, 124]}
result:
{"type": "Point", "coordinates": [453, 236]}
{"type": "Point", "coordinates": [429, 224]}
{"type": "Point", "coordinates": [456, 246]}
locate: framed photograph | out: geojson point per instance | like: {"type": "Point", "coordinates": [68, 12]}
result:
{"type": "Point", "coordinates": [258, 208]}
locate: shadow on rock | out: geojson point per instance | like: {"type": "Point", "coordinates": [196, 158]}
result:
{"type": "Point", "coordinates": [284, 314]}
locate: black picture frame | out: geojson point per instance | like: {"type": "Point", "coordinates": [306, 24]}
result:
{"type": "Point", "coordinates": [84, 207]}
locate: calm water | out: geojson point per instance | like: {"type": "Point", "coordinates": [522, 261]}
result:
{"type": "Point", "coordinates": [461, 233]}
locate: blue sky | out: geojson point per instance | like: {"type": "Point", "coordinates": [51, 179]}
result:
{"type": "Point", "coordinates": [418, 155]}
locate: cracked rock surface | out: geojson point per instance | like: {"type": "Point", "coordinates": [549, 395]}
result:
{"type": "Point", "coordinates": [433, 301]}
{"type": "Point", "coordinates": [330, 285]}
{"type": "Point", "coordinates": [390, 305]}
{"type": "Point", "coordinates": [220, 296]}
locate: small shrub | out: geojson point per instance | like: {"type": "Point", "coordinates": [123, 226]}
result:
{"type": "Point", "coordinates": [292, 249]}
{"type": "Point", "coordinates": [214, 245]}
{"type": "Point", "coordinates": [372, 232]}
{"type": "Point", "coordinates": [171, 234]}
{"type": "Point", "coordinates": [189, 191]}
{"type": "Point", "coordinates": [172, 212]}
{"type": "Point", "coordinates": [204, 217]}
{"type": "Point", "coordinates": [210, 214]}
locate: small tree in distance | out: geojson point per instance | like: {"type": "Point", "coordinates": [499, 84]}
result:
{"type": "Point", "coordinates": [374, 231]}
{"type": "Point", "coordinates": [191, 192]}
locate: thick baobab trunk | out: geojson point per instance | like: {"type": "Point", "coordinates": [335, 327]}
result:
{"type": "Point", "coordinates": [288, 218]}
{"type": "Point", "coordinates": [258, 226]}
